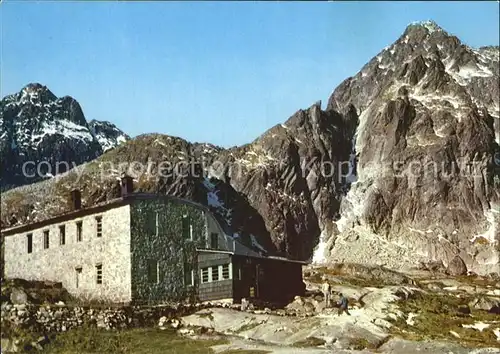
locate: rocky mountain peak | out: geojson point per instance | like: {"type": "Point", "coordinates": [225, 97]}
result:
{"type": "Point", "coordinates": [38, 128]}
{"type": "Point", "coordinates": [397, 171]}
{"type": "Point", "coordinates": [36, 93]}
{"type": "Point", "coordinates": [107, 133]}
{"type": "Point", "coordinates": [429, 25]}
{"type": "Point", "coordinates": [420, 101]}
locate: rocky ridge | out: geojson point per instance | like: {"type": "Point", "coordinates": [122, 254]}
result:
{"type": "Point", "coordinates": [107, 134]}
{"type": "Point", "coordinates": [39, 130]}
{"type": "Point", "coordinates": [427, 187]}
{"type": "Point", "coordinates": [344, 176]}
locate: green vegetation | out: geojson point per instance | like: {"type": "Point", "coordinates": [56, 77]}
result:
{"type": "Point", "coordinates": [137, 341]}
{"type": "Point", "coordinates": [360, 344]}
{"type": "Point", "coordinates": [359, 275]}
{"type": "Point", "coordinates": [309, 342]}
{"type": "Point", "coordinates": [244, 351]}
{"type": "Point", "coordinates": [438, 314]}
{"type": "Point", "coordinates": [208, 315]}
{"type": "Point", "coordinates": [247, 327]}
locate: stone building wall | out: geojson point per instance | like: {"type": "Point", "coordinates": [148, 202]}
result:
{"type": "Point", "coordinates": [157, 241]}
{"type": "Point", "coordinates": [59, 262]}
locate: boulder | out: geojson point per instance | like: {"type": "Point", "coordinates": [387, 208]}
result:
{"type": "Point", "coordinates": [175, 323]}
{"type": "Point", "coordinates": [9, 346]}
{"type": "Point", "coordinates": [18, 296]}
{"type": "Point", "coordinates": [465, 310]}
{"type": "Point", "coordinates": [484, 303]}
{"type": "Point", "coordinates": [435, 266]}
{"type": "Point", "coordinates": [457, 267]}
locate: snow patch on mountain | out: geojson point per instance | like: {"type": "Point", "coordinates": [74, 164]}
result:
{"type": "Point", "coordinates": [429, 25]}
{"type": "Point", "coordinates": [319, 255]}
{"type": "Point", "coordinates": [107, 134]}
{"type": "Point", "coordinates": [493, 218]}
{"type": "Point", "coordinates": [216, 203]}
{"type": "Point", "coordinates": [38, 124]}
{"type": "Point", "coordinates": [253, 159]}
{"type": "Point", "coordinates": [64, 128]}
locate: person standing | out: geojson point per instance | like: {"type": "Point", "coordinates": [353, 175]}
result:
{"type": "Point", "coordinates": [326, 291]}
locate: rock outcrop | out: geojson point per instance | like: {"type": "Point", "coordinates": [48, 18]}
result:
{"type": "Point", "coordinates": [427, 186]}
{"type": "Point", "coordinates": [43, 135]}
{"type": "Point", "coordinates": [399, 170]}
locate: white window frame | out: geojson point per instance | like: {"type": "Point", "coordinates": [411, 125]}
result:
{"type": "Point", "coordinates": [217, 271]}
{"type": "Point", "coordinates": [209, 275]}
{"type": "Point", "coordinates": [157, 223]}
{"type": "Point", "coordinates": [191, 283]}
{"type": "Point", "coordinates": [221, 270]}
{"type": "Point", "coordinates": [79, 234]}
{"type": "Point", "coordinates": [61, 238]}
{"type": "Point", "coordinates": [98, 221]}
{"type": "Point", "coordinates": [78, 275]}
{"type": "Point", "coordinates": [29, 243]}
{"type": "Point", "coordinates": [98, 267]}
{"type": "Point", "coordinates": [46, 239]}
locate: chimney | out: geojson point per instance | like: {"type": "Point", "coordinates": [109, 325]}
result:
{"type": "Point", "coordinates": [76, 199]}
{"type": "Point", "coordinates": [127, 185]}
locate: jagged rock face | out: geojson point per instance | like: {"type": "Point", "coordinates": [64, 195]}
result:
{"type": "Point", "coordinates": [108, 135]}
{"type": "Point", "coordinates": [160, 164]}
{"type": "Point", "coordinates": [399, 169]}
{"type": "Point", "coordinates": [428, 187]}
{"type": "Point", "coordinates": [45, 134]}
{"type": "Point", "coordinates": [290, 176]}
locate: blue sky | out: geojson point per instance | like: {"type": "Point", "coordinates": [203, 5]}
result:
{"type": "Point", "coordinates": [210, 72]}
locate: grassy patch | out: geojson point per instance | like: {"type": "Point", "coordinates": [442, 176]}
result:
{"type": "Point", "coordinates": [477, 280]}
{"type": "Point", "coordinates": [137, 341]}
{"type": "Point", "coordinates": [247, 327]}
{"type": "Point", "coordinates": [359, 275]}
{"type": "Point", "coordinates": [360, 344]}
{"type": "Point", "coordinates": [244, 351]}
{"type": "Point", "coordinates": [309, 342]}
{"type": "Point", "coordinates": [208, 315]}
{"type": "Point", "coordinates": [437, 315]}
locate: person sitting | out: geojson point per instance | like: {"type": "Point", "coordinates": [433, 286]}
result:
{"type": "Point", "coordinates": [343, 305]}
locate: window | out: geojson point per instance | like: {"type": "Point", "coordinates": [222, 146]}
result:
{"type": "Point", "coordinates": [62, 235]}
{"type": "Point", "coordinates": [157, 224]}
{"type": "Point", "coordinates": [236, 271]}
{"type": "Point", "coordinates": [79, 231]}
{"type": "Point", "coordinates": [151, 223]}
{"type": "Point", "coordinates": [78, 275]}
{"type": "Point", "coordinates": [225, 271]}
{"type": "Point", "coordinates": [98, 270]}
{"type": "Point", "coordinates": [215, 273]}
{"type": "Point", "coordinates": [153, 271]}
{"type": "Point", "coordinates": [98, 220]}
{"type": "Point", "coordinates": [29, 241]}
{"type": "Point", "coordinates": [46, 239]}
{"type": "Point", "coordinates": [186, 227]}
{"type": "Point", "coordinates": [188, 274]}
{"type": "Point", "coordinates": [214, 240]}
{"type": "Point", "coordinates": [204, 275]}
